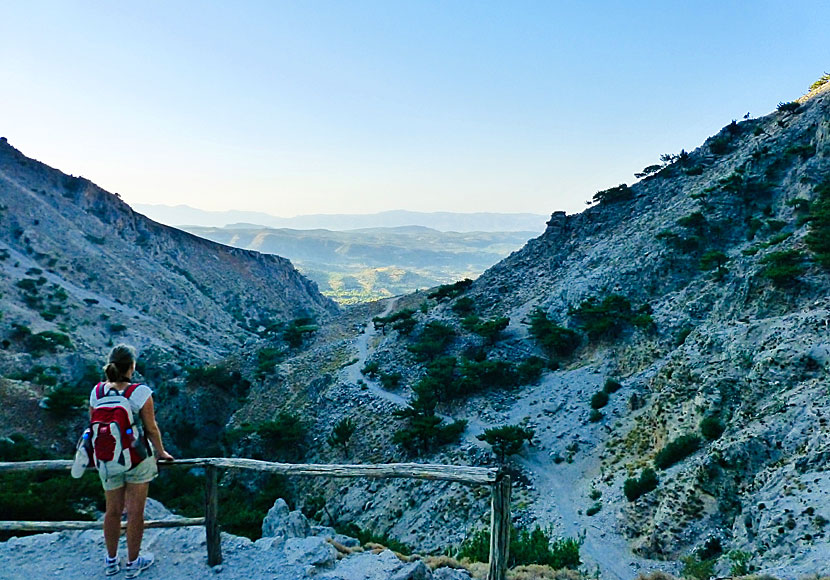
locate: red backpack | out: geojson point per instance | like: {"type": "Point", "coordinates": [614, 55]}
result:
{"type": "Point", "coordinates": [116, 444]}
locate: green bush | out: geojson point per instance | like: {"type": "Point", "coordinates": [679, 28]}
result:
{"type": "Point", "coordinates": [614, 194]}
{"type": "Point", "coordinates": [694, 567]}
{"type": "Point", "coordinates": [450, 291]}
{"type": "Point", "coordinates": [599, 400]}
{"type": "Point", "coordinates": [463, 306]}
{"type": "Point", "coordinates": [530, 370]}
{"type": "Point", "coordinates": [426, 432]}
{"type": "Point", "coordinates": [711, 427]}
{"type": "Point", "coordinates": [298, 330]}
{"type": "Point", "coordinates": [714, 259]}
{"type": "Point", "coordinates": [594, 509]}
{"type": "Point", "coordinates": [611, 386]}
{"type": "Point", "coordinates": [694, 221]}
{"type": "Point", "coordinates": [634, 488]}
{"type": "Point", "coordinates": [433, 340]}
{"type": "Point", "coordinates": [790, 107]}
{"type": "Point", "coordinates": [65, 401]}
{"type": "Point", "coordinates": [595, 416]}
{"type": "Point", "coordinates": [783, 268]}
{"type": "Point", "coordinates": [506, 440]}
{"type": "Point", "coordinates": [818, 238]}
{"type": "Point", "coordinates": [676, 450]}
{"type": "Point", "coordinates": [390, 381]}
{"type": "Point", "coordinates": [47, 341]}
{"type": "Point", "coordinates": [556, 340]}
{"type": "Point", "coordinates": [604, 318]}
{"type": "Point", "coordinates": [219, 376]}
{"type": "Point", "coordinates": [266, 359]}
{"type": "Point", "coordinates": [490, 330]}
{"type": "Point", "coordinates": [527, 546]}
{"type": "Point", "coordinates": [283, 437]}
{"type": "Point", "coordinates": [370, 369]}
{"type": "Point", "coordinates": [341, 433]}
{"type": "Point", "coordinates": [719, 144]}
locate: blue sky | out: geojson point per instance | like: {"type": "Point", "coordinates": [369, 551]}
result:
{"type": "Point", "coordinates": [357, 106]}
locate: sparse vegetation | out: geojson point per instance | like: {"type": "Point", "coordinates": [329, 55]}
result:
{"type": "Point", "coordinates": [711, 427]}
{"type": "Point", "coordinates": [599, 400]}
{"type": "Point", "coordinates": [298, 330]}
{"type": "Point", "coordinates": [527, 546]}
{"type": "Point", "coordinates": [614, 194]}
{"type": "Point", "coordinates": [433, 340]}
{"type": "Point", "coordinates": [783, 268]}
{"type": "Point", "coordinates": [341, 434]}
{"type": "Point", "coordinates": [450, 291]}
{"type": "Point", "coordinates": [818, 238]}
{"type": "Point", "coordinates": [555, 339]}
{"type": "Point", "coordinates": [634, 488]}
{"type": "Point", "coordinates": [789, 107]}
{"type": "Point", "coordinates": [676, 450]}
{"type": "Point", "coordinates": [506, 440]}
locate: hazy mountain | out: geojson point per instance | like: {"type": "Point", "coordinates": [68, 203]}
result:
{"type": "Point", "coordinates": [443, 221]}
{"type": "Point", "coordinates": [372, 263]}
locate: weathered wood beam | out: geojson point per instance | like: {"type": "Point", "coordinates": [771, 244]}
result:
{"type": "Point", "coordinates": [57, 526]}
{"type": "Point", "coordinates": [500, 529]}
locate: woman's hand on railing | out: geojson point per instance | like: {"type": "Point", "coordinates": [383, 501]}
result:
{"type": "Point", "coordinates": [164, 456]}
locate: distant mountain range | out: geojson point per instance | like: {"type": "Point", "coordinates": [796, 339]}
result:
{"type": "Point", "coordinates": [180, 215]}
{"type": "Point", "coordinates": [370, 263]}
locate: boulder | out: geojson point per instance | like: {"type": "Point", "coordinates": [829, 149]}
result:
{"type": "Point", "coordinates": [280, 522]}
{"type": "Point", "coordinates": [313, 550]}
{"type": "Point", "coordinates": [450, 574]}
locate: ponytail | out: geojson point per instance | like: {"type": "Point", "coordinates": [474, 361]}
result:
{"type": "Point", "coordinates": [121, 359]}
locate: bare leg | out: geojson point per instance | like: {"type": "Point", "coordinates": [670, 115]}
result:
{"type": "Point", "coordinates": [112, 519]}
{"type": "Point", "coordinates": [136, 497]}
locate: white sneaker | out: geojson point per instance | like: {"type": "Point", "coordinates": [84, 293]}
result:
{"type": "Point", "coordinates": [112, 566]}
{"type": "Point", "coordinates": [140, 564]}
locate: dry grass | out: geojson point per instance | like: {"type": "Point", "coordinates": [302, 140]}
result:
{"type": "Point", "coordinates": [656, 575]}
{"type": "Point", "coordinates": [479, 571]}
{"type": "Point", "coordinates": [435, 562]}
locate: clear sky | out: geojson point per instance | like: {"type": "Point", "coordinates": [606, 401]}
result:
{"type": "Point", "coordinates": [360, 106]}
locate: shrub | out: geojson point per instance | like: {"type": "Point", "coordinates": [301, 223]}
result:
{"type": "Point", "coordinates": [219, 376]}
{"type": "Point", "coordinates": [595, 416]}
{"type": "Point", "coordinates": [790, 107]}
{"type": "Point", "coordinates": [405, 326]}
{"type": "Point", "coordinates": [463, 306]}
{"type": "Point", "coordinates": [426, 431]}
{"type": "Point", "coordinates": [719, 144]}
{"type": "Point", "coordinates": [506, 440]}
{"type": "Point", "coordinates": [47, 341]}
{"type": "Point", "coordinates": [740, 563]}
{"type": "Point", "coordinates": [694, 567]}
{"type": "Point", "coordinates": [614, 194]}
{"type": "Point", "coordinates": [823, 80]}
{"type": "Point", "coordinates": [432, 342]}
{"type": "Point", "coordinates": [611, 386]}
{"type": "Point", "coordinates": [266, 359]}
{"type": "Point", "coordinates": [554, 339]}
{"type": "Point", "coordinates": [711, 427]}
{"type": "Point", "coordinates": [115, 328]}
{"type": "Point", "coordinates": [818, 238]}
{"type": "Point", "coordinates": [530, 370]}
{"type": "Point", "coordinates": [365, 536]}
{"type": "Point", "coordinates": [599, 400]}
{"type": "Point", "coordinates": [594, 509]}
{"type": "Point", "coordinates": [284, 436]}
{"type": "Point", "coordinates": [527, 546]}
{"type": "Point", "coordinates": [782, 268]}
{"type": "Point", "coordinates": [490, 330]}
{"type": "Point", "coordinates": [714, 259]}
{"type": "Point", "coordinates": [605, 318]}
{"type": "Point", "coordinates": [390, 380]}
{"type": "Point", "coordinates": [297, 330]}
{"type": "Point", "coordinates": [65, 401]}
{"type": "Point", "coordinates": [370, 369]}
{"type": "Point", "coordinates": [634, 488]}
{"type": "Point", "coordinates": [676, 451]}
{"type": "Point", "coordinates": [341, 433]}
{"type": "Point", "coordinates": [449, 291]}
{"type": "Point", "coordinates": [695, 221]}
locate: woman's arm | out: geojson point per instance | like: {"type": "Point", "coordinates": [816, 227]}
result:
{"type": "Point", "coordinates": [148, 417]}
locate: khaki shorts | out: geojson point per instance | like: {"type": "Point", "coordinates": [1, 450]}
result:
{"type": "Point", "coordinates": [144, 472]}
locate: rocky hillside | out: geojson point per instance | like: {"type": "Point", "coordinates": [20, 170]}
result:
{"type": "Point", "coordinates": [686, 317]}
{"type": "Point", "coordinates": [80, 270]}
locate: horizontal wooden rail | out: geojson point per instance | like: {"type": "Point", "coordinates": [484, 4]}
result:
{"type": "Point", "coordinates": [457, 473]}
{"type": "Point", "coordinates": [498, 482]}
{"type": "Point", "coordinates": [57, 526]}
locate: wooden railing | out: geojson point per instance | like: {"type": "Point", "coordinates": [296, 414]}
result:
{"type": "Point", "coordinates": [498, 482]}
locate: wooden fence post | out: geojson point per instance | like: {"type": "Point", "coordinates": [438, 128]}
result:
{"type": "Point", "coordinates": [214, 546]}
{"type": "Point", "coordinates": [499, 529]}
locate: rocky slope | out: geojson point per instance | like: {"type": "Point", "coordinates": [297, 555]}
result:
{"type": "Point", "coordinates": [724, 318]}
{"type": "Point", "coordinates": [80, 270]}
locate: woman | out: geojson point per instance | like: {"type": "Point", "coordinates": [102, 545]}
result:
{"type": "Point", "coordinates": [129, 488]}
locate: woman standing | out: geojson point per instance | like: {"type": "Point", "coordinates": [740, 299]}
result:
{"type": "Point", "coordinates": [129, 489]}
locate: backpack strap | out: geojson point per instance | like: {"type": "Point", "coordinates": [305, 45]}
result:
{"type": "Point", "coordinates": [99, 391]}
{"type": "Point", "coordinates": [128, 392]}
